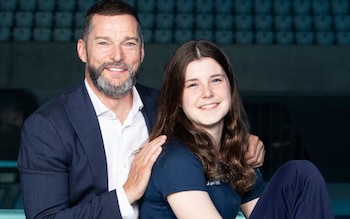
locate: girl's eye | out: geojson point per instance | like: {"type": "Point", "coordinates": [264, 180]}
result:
{"type": "Point", "coordinates": [189, 85]}
{"type": "Point", "coordinates": [216, 80]}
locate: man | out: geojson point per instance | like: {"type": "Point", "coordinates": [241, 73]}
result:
{"type": "Point", "coordinates": [78, 152]}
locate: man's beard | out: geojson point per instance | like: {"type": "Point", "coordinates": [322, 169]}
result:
{"type": "Point", "coordinates": [108, 89]}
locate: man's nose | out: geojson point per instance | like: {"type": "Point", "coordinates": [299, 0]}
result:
{"type": "Point", "coordinates": [117, 54]}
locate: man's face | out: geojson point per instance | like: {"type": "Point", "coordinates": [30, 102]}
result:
{"type": "Point", "coordinates": [113, 54]}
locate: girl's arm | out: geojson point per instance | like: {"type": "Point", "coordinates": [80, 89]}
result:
{"type": "Point", "coordinates": [247, 208]}
{"type": "Point", "coordinates": [193, 204]}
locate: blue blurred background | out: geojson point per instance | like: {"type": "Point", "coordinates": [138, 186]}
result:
{"type": "Point", "coordinates": [291, 58]}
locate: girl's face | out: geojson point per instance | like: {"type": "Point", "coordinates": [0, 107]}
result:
{"type": "Point", "coordinates": [207, 95]}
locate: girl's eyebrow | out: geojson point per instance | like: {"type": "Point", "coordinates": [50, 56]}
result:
{"type": "Point", "coordinates": [191, 79]}
{"type": "Point", "coordinates": [221, 74]}
{"type": "Point", "coordinates": [218, 74]}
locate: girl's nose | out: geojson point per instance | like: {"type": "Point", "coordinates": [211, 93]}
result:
{"type": "Point", "coordinates": [207, 92]}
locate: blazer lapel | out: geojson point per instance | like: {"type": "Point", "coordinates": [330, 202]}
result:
{"type": "Point", "coordinates": [149, 98]}
{"type": "Point", "coordinates": [85, 123]}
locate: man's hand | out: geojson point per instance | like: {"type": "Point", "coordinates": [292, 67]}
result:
{"type": "Point", "coordinates": [256, 152]}
{"type": "Point", "coordinates": [141, 168]}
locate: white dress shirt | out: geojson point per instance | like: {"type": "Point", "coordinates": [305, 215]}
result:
{"type": "Point", "coordinates": [120, 143]}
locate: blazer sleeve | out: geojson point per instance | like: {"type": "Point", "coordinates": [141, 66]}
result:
{"type": "Point", "coordinates": [55, 175]}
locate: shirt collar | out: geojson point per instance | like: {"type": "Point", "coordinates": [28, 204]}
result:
{"type": "Point", "coordinates": [101, 109]}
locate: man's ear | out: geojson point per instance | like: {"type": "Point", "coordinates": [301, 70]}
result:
{"type": "Point", "coordinates": [81, 50]}
{"type": "Point", "coordinates": [142, 52]}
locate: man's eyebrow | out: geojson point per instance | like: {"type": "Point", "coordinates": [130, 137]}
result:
{"type": "Point", "coordinates": [101, 37]}
{"type": "Point", "coordinates": [132, 38]}
{"type": "Point", "coordinates": [125, 38]}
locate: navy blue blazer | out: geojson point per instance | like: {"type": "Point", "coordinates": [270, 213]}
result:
{"type": "Point", "coordinates": [62, 162]}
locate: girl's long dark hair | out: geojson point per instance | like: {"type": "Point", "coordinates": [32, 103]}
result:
{"type": "Point", "coordinates": [228, 162]}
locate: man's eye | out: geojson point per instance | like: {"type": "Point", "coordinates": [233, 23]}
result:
{"type": "Point", "coordinates": [131, 44]}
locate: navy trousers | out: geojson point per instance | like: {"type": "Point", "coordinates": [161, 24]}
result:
{"type": "Point", "coordinates": [296, 191]}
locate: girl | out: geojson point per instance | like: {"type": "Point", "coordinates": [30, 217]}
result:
{"type": "Point", "coordinates": [202, 172]}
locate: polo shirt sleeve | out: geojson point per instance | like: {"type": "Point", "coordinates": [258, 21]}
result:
{"type": "Point", "coordinates": [257, 189]}
{"type": "Point", "coordinates": [177, 170]}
